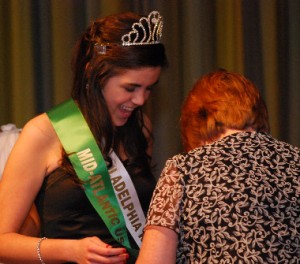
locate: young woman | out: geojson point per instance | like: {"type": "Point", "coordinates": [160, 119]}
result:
{"type": "Point", "coordinates": [86, 163]}
{"type": "Point", "coordinates": [234, 196]}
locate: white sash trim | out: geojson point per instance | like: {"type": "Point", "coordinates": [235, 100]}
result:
{"type": "Point", "coordinates": [127, 198]}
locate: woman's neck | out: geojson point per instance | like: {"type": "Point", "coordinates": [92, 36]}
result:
{"type": "Point", "coordinates": [230, 131]}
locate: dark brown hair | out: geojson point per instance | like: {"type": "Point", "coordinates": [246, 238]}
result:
{"type": "Point", "coordinates": [218, 101]}
{"type": "Point", "coordinates": [92, 71]}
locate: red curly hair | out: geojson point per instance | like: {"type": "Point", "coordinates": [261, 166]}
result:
{"type": "Point", "coordinates": [218, 101]}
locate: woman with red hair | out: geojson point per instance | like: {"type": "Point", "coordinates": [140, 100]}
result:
{"type": "Point", "coordinates": [233, 196]}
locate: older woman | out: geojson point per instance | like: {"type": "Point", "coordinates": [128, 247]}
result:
{"type": "Point", "coordinates": [234, 196]}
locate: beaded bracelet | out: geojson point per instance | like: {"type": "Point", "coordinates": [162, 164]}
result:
{"type": "Point", "coordinates": [38, 249]}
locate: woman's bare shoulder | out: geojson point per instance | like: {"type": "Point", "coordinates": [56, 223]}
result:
{"type": "Point", "coordinates": [42, 138]}
{"type": "Point", "coordinates": [40, 126]}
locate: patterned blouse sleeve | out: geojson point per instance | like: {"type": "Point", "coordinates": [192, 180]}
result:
{"type": "Point", "coordinates": [165, 204]}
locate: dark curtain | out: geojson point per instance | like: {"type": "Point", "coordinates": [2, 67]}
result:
{"type": "Point", "coordinates": [257, 38]}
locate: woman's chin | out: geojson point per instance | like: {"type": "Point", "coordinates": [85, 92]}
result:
{"type": "Point", "coordinates": [120, 122]}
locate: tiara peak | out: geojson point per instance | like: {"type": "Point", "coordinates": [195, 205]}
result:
{"type": "Point", "coordinates": [147, 31]}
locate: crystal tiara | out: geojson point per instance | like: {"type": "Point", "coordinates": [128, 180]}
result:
{"type": "Point", "coordinates": [147, 31]}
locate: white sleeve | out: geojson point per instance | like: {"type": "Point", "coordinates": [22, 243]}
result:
{"type": "Point", "coordinates": [8, 136]}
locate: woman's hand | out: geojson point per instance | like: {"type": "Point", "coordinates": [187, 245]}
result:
{"type": "Point", "coordinates": [93, 250]}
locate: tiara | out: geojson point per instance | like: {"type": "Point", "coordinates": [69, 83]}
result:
{"type": "Point", "coordinates": [147, 31]}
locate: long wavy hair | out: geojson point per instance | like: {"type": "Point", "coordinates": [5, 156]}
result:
{"type": "Point", "coordinates": [218, 101]}
{"type": "Point", "coordinates": [92, 71]}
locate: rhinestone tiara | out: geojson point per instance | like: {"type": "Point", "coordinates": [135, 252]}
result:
{"type": "Point", "coordinates": [147, 31]}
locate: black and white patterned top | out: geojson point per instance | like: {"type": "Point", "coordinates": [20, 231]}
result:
{"type": "Point", "coordinates": [236, 200]}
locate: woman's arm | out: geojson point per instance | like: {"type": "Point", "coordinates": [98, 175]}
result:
{"type": "Point", "coordinates": [36, 153]}
{"type": "Point", "coordinates": [159, 246]}
{"type": "Point", "coordinates": [86, 250]}
{"type": "Point", "coordinates": [160, 238]}
{"type": "Point", "coordinates": [31, 226]}
{"type": "Point", "coordinates": [9, 134]}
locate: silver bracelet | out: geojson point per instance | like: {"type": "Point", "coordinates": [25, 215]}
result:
{"type": "Point", "coordinates": [38, 249]}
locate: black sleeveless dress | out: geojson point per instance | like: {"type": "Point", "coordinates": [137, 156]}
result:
{"type": "Point", "coordinates": [66, 212]}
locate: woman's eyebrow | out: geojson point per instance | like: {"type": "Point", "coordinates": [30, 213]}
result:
{"type": "Point", "coordinates": [139, 85]}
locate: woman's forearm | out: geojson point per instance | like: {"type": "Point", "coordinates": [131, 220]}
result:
{"type": "Point", "coordinates": [16, 248]}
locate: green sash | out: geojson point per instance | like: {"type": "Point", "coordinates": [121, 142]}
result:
{"type": "Point", "coordinates": [89, 165]}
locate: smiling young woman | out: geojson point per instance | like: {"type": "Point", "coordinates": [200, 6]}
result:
{"type": "Point", "coordinates": [64, 160]}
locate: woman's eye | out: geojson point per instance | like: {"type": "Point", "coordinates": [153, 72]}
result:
{"type": "Point", "coordinates": [149, 88]}
{"type": "Point", "coordinates": [130, 89]}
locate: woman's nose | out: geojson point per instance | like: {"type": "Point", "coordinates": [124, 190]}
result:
{"type": "Point", "coordinates": [139, 98]}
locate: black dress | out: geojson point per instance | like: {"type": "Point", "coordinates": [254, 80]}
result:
{"type": "Point", "coordinates": [66, 212]}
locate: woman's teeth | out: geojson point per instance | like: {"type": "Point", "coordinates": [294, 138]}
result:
{"type": "Point", "coordinates": [125, 108]}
